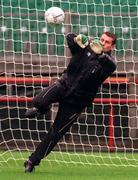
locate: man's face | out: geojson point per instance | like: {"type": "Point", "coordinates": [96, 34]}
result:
{"type": "Point", "coordinates": [107, 43]}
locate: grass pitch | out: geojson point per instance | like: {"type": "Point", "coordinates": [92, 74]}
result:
{"type": "Point", "coordinates": [61, 166]}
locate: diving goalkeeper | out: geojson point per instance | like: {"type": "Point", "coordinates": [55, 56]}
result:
{"type": "Point", "coordinates": [91, 63]}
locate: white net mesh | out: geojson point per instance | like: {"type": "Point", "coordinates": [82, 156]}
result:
{"type": "Point", "coordinates": [33, 53]}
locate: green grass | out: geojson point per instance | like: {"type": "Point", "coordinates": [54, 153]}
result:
{"type": "Point", "coordinates": [61, 166]}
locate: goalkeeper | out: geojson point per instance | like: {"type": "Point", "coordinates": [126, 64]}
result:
{"type": "Point", "coordinates": [91, 63]}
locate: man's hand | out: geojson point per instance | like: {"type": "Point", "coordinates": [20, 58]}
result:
{"type": "Point", "coordinates": [96, 47]}
{"type": "Point", "coordinates": [82, 40]}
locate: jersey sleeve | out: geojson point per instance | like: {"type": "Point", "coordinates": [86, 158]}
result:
{"type": "Point", "coordinates": [107, 61]}
{"type": "Point", "coordinates": [73, 46]}
{"type": "Point", "coordinates": [108, 66]}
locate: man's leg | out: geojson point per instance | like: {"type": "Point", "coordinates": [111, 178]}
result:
{"type": "Point", "coordinates": [41, 102]}
{"type": "Point", "coordinates": [66, 115]}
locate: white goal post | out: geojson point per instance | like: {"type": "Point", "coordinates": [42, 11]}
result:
{"type": "Point", "coordinates": [33, 54]}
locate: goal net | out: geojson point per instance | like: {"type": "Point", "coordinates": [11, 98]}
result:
{"type": "Point", "coordinates": [33, 55]}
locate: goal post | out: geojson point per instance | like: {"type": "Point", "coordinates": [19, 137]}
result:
{"type": "Point", "coordinates": [34, 54]}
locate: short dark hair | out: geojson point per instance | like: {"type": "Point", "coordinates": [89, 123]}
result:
{"type": "Point", "coordinates": [112, 35]}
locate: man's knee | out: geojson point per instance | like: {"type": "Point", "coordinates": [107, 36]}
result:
{"type": "Point", "coordinates": [36, 101]}
{"type": "Point", "coordinates": [40, 105]}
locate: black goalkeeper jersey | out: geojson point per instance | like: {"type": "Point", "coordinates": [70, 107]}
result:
{"type": "Point", "coordinates": [85, 73]}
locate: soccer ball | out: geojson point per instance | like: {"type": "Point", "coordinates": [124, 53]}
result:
{"type": "Point", "coordinates": [54, 15]}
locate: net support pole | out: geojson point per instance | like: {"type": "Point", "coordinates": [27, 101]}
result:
{"type": "Point", "coordinates": [111, 143]}
{"type": "Point", "coordinates": [132, 108]}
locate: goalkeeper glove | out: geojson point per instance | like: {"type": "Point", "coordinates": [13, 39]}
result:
{"type": "Point", "coordinates": [96, 46]}
{"type": "Point", "coordinates": [82, 40]}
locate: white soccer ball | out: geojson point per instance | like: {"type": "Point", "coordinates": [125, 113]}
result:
{"type": "Point", "coordinates": [54, 15]}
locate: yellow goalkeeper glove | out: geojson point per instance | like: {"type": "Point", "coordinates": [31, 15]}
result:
{"type": "Point", "coordinates": [96, 46]}
{"type": "Point", "coordinates": [82, 40]}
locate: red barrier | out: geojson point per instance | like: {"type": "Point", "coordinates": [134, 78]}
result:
{"type": "Point", "coordinates": [15, 99]}
{"type": "Point", "coordinates": [46, 80]}
{"type": "Point", "coordinates": [115, 100]}
{"type": "Point", "coordinates": [111, 143]}
{"type": "Point", "coordinates": [24, 80]}
{"type": "Point", "coordinates": [117, 80]}
{"type": "Point", "coordinates": [97, 100]}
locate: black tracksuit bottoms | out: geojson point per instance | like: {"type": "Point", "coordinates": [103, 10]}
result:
{"type": "Point", "coordinates": [66, 115]}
